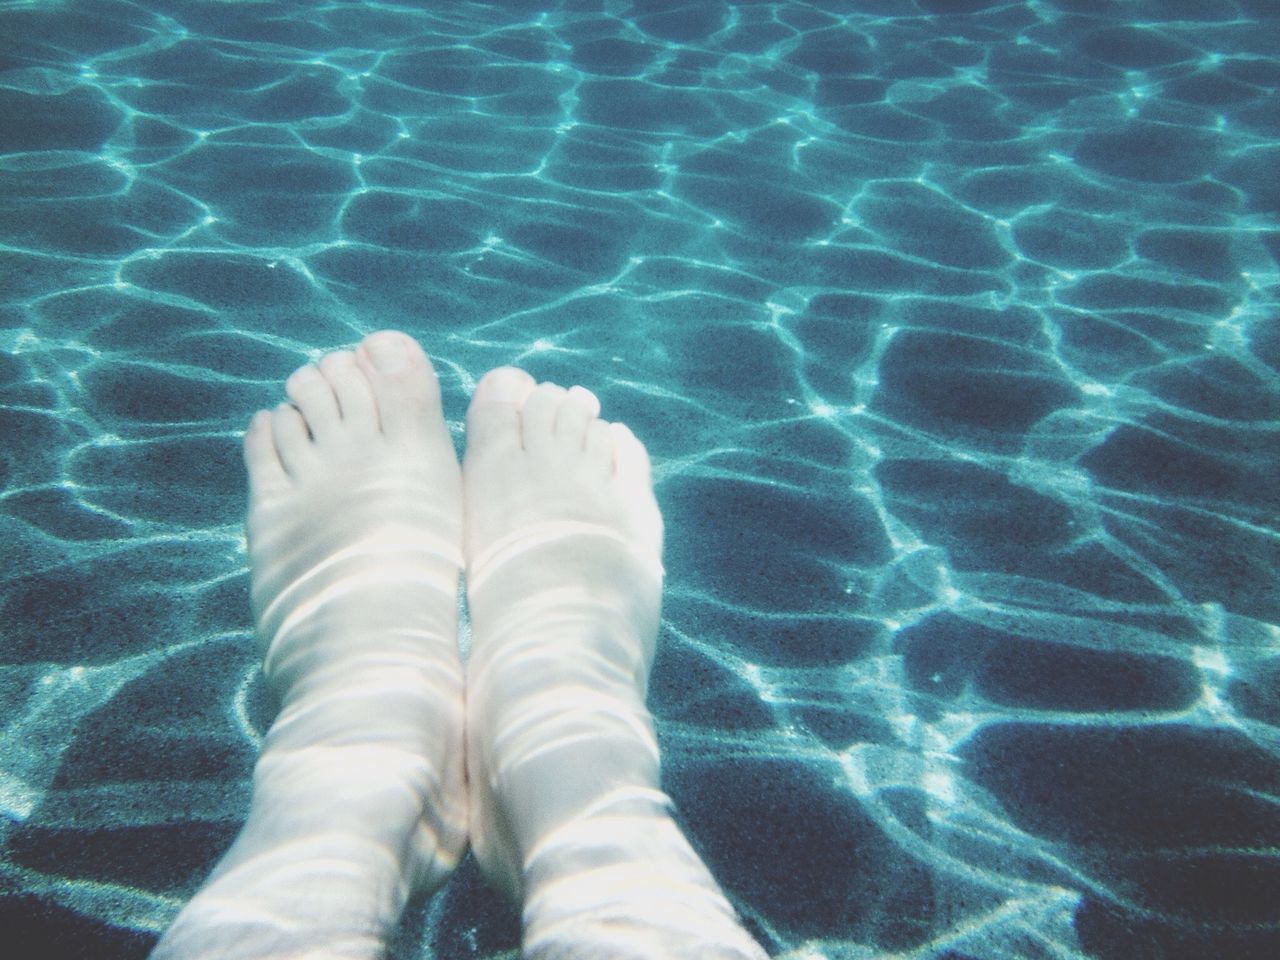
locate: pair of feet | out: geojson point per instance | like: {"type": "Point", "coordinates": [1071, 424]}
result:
{"type": "Point", "coordinates": [388, 754]}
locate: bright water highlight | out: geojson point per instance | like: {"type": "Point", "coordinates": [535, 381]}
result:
{"type": "Point", "coordinates": [951, 327]}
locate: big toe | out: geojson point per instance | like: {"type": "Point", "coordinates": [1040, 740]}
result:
{"type": "Point", "coordinates": [405, 387]}
{"type": "Point", "coordinates": [493, 419]}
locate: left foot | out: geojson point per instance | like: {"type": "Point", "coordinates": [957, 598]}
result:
{"type": "Point", "coordinates": [354, 529]}
{"type": "Point", "coordinates": [564, 577]}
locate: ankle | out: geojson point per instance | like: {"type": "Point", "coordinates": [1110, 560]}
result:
{"type": "Point", "coordinates": [329, 894]}
{"type": "Point", "coordinates": [630, 833]}
{"type": "Point", "coordinates": [627, 887]}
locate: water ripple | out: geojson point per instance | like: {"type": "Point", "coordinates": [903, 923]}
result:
{"type": "Point", "coordinates": [951, 329]}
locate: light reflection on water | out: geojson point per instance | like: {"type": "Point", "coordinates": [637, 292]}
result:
{"type": "Point", "coordinates": [948, 326]}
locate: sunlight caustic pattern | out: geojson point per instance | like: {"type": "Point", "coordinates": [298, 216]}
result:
{"type": "Point", "coordinates": [951, 327]}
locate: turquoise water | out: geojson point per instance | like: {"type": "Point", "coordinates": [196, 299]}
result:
{"type": "Point", "coordinates": [952, 328]}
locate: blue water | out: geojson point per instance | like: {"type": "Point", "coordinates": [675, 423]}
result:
{"type": "Point", "coordinates": [952, 327]}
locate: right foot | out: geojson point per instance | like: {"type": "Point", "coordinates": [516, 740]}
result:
{"type": "Point", "coordinates": [563, 544]}
{"type": "Point", "coordinates": [355, 527]}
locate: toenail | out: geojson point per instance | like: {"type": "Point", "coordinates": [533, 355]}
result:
{"type": "Point", "coordinates": [388, 353]}
{"type": "Point", "coordinates": [505, 387]}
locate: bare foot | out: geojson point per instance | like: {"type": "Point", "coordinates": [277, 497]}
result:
{"type": "Point", "coordinates": [354, 535]}
{"type": "Point", "coordinates": [563, 544]}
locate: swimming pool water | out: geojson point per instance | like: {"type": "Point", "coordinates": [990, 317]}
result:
{"type": "Point", "coordinates": [952, 327]}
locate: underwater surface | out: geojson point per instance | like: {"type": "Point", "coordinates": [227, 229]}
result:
{"type": "Point", "coordinates": [951, 326]}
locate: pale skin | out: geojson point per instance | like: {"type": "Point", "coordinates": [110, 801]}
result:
{"type": "Point", "coordinates": [389, 754]}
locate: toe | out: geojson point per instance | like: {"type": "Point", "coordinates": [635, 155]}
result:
{"type": "Point", "coordinates": [351, 387]}
{"type": "Point", "coordinates": [314, 398]}
{"type": "Point", "coordinates": [538, 416]}
{"type": "Point", "coordinates": [289, 431]}
{"type": "Point", "coordinates": [576, 413]}
{"type": "Point", "coordinates": [599, 446]}
{"type": "Point", "coordinates": [493, 419]}
{"type": "Point", "coordinates": [630, 459]}
{"type": "Point", "coordinates": [404, 384]}
{"type": "Point", "coordinates": [260, 456]}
